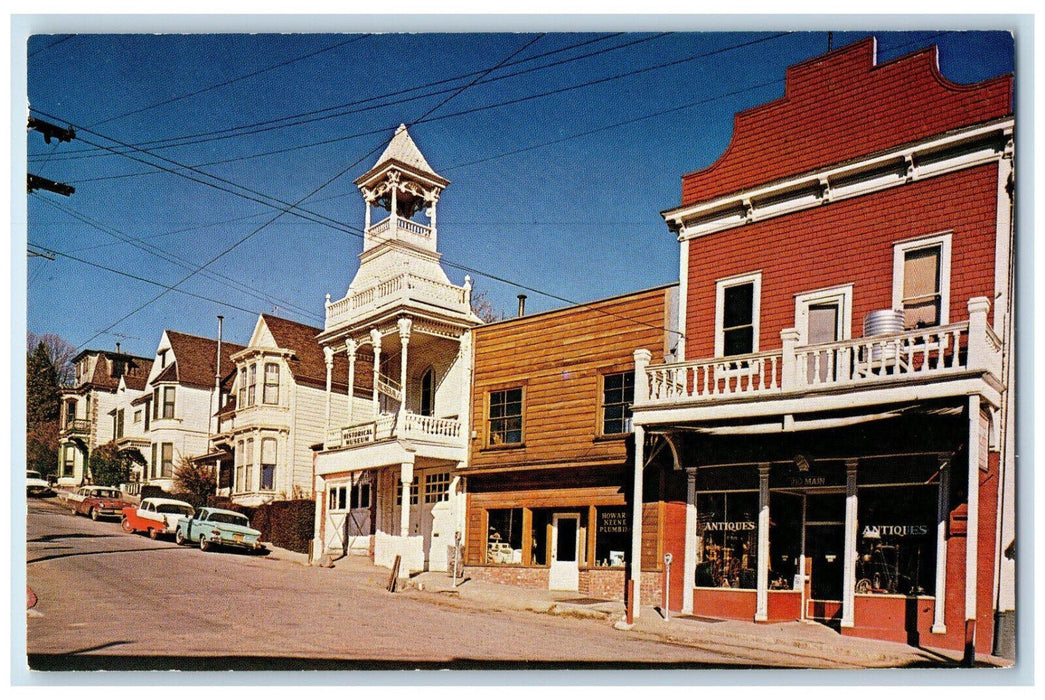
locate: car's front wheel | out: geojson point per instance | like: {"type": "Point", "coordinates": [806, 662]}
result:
{"type": "Point", "coordinates": [126, 525]}
{"type": "Point", "coordinates": [94, 514]}
{"type": "Point", "coordinates": [153, 533]}
{"type": "Point", "coordinates": [179, 538]}
{"type": "Point", "coordinates": [204, 544]}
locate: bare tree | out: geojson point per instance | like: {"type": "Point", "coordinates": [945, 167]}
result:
{"type": "Point", "coordinates": [59, 351]}
{"type": "Point", "coordinates": [484, 309]}
{"type": "Point", "coordinates": [195, 481]}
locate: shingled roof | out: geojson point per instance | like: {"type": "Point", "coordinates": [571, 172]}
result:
{"type": "Point", "coordinates": [194, 359]}
{"type": "Point", "coordinates": [308, 364]}
{"type": "Point", "coordinates": [134, 369]}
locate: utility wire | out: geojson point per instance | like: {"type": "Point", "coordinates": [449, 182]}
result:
{"type": "Point", "coordinates": [288, 208]}
{"type": "Point", "coordinates": [177, 260]}
{"type": "Point", "coordinates": [230, 81]}
{"type": "Point", "coordinates": [170, 288]}
{"type": "Point", "coordinates": [398, 97]}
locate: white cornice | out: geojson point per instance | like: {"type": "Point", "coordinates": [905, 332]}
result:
{"type": "Point", "coordinates": [928, 158]}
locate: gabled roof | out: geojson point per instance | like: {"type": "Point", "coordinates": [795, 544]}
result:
{"type": "Point", "coordinates": [194, 359]}
{"type": "Point", "coordinates": [136, 370]}
{"type": "Point", "coordinates": [308, 363]}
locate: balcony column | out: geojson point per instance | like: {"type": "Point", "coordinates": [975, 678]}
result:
{"type": "Point", "coordinates": [320, 488]}
{"type": "Point", "coordinates": [978, 308]}
{"type": "Point", "coordinates": [393, 181]}
{"type": "Point", "coordinates": [431, 219]}
{"type": "Point", "coordinates": [762, 575]}
{"type": "Point", "coordinates": [328, 359]}
{"type": "Point", "coordinates": [406, 477]}
{"type": "Point", "coordinates": [972, 524]}
{"type": "Point", "coordinates": [375, 338]}
{"type": "Point", "coordinates": [405, 326]}
{"type": "Point", "coordinates": [689, 557]}
{"type": "Point", "coordinates": [636, 518]}
{"type": "Point", "coordinates": [366, 216]}
{"type": "Point", "coordinates": [849, 552]}
{"type": "Point", "coordinates": [943, 509]}
{"type": "Point", "coordinates": [350, 347]}
{"type": "Point", "coordinates": [788, 366]}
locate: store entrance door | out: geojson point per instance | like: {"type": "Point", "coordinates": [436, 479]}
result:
{"type": "Point", "coordinates": [824, 552]}
{"type": "Point", "coordinates": [565, 574]}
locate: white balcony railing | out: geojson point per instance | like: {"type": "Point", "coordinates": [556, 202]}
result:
{"type": "Point", "coordinates": [401, 286]}
{"type": "Point", "coordinates": [396, 426]}
{"type": "Point", "coordinates": [916, 355]}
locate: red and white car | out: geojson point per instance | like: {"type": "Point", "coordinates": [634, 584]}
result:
{"type": "Point", "coordinates": [97, 502]}
{"type": "Point", "coordinates": [156, 516]}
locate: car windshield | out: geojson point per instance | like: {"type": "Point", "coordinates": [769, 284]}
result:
{"type": "Point", "coordinates": [230, 518]}
{"type": "Point", "coordinates": [174, 508]}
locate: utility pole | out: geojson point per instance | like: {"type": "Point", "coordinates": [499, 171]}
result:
{"type": "Point", "coordinates": [49, 131]}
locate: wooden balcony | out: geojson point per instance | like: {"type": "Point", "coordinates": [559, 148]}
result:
{"type": "Point", "coordinates": [850, 366]}
{"type": "Point", "coordinates": [398, 426]}
{"type": "Point", "coordinates": [400, 288]}
{"type": "Point", "coordinates": [77, 426]}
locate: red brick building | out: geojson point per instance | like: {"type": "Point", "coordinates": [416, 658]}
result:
{"type": "Point", "coordinates": [839, 404]}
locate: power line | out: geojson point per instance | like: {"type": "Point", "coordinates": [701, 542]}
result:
{"type": "Point", "coordinates": [291, 206]}
{"type": "Point", "coordinates": [177, 260]}
{"type": "Point", "coordinates": [397, 98]}
{"type": "Point", "coordinates": [230, 81]}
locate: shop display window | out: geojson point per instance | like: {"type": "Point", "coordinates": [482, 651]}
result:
{"type": "Point", "coordinates": [504, 535]}
{"type": "Point", "coordinates": [727, 540]}
{"type": "Point", "coordinates": [612, 536]}
{"type": "Point", "coordinates": [540, 525]}
{"type": "Point", "coordinates": [896, 539]}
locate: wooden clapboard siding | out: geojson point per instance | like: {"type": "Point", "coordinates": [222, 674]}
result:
{"type": "Point", "coordinates": [558, 358]}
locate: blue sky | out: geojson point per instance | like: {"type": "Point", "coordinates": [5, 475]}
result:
{"type": "Point", "coordinates": [560, 160]}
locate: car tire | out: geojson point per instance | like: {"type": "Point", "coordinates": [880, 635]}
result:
{"type": "Point", "coordinates": [179, 538]}
{"type": "Point", "coordinates": [204, 544]}
{"type": "Point", "coordinates": [126, 525]}
{"type": "Point", "coordinates": [73, 511]}
{"type": "Point", "coordinates": [94, 515]}
{"type": "Point", "coordinates": [153, 534]}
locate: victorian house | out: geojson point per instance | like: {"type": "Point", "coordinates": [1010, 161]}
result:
{"type": "Point", "coordinates": [178, 404]}
{"type": "Point", "coordinates": [89, 416]}
{"type": "Point", "coordinates": [276, 411]}
{"type": "Point", "coordinates": [839, 405]}
{"type": "Point", "coordinates": [391, 456]}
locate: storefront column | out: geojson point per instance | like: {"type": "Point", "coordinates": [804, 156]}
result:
{"type": "Point", "coordinates": [375, 338]}
{"type": "Point", "coordinates": [972, 524]}
{"type": "Point", "coordinates": [762, 579]}
{"type": "Point", "coordinates": [318, 546]}
{"type": "Point", "coordinates": [943, 509]}
{"type": "Point", "coordinates": [849, 554]}
{"type": "Point", "coordinates": [405, 326]}
{"type": "Point", "coordinates": [406, 477]}
{"type": "Point", "coordinates": [636, 519]}
{"type": "Point", "coordinates": [689, 557]}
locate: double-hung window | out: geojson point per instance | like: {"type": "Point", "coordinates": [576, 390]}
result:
{"type": "Point", "coordinates": [168, 401]}
{"type": "Point", "coordinates": [268, 463]}
{"type": "Point", "coordinates": [921, 280]}
{"type": "Point", "coordinates": [252, 385]}
{"type": "Point", "coordinates": [242, 397]}
{"type": "Point", "coordinates": [505, 417]}
{"type": "Point", "coordinates": [737, 301]}
{"type": "Point", "coordinates": [167, 460]}
{"type": "Point", "coordinates": [270, 392]}
{"type": "Point", "coordinates": [618, 393]}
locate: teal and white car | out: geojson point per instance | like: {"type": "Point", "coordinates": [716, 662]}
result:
{"type": "Point", "coordinates": [214, 527]}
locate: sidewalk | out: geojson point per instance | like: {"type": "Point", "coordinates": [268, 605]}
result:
{"type": "Point", "coordinates": [803, 644]}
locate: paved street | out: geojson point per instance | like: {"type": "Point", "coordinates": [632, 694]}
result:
{"type": "Point", "coordinates": [108, 600]}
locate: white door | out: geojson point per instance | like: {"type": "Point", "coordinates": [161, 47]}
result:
{"type": "Point", "coordinates": [564, 572]}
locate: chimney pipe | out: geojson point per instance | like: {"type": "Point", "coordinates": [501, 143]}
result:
{"type": "Point", "coordinates": [522, 304]}
{"type": "Point", "coordinates": [117, 347]}
{"type": "Point", "coordinates": [217, 363]}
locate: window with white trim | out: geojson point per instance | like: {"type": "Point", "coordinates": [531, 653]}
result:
{"type": "Point", "coordinates": [737, 302]}
{"type": "Point", "coordinates": [922, 280]}
{"type": "Point", "coordinates": [270, 392]}
{"type": "Point", "coordinates": [268, 463]}
{"type": "Point", "coordinates": [618, 393]}
{"type": "Point", "coordinates": [437, 487]}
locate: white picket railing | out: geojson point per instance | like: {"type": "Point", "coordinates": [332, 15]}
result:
{"type": "Point", "coordinates": [393, 426]}
{"type": "Point", "coordinates": [401, 285]}
{"type": "Point", "coordinates": [915, 355]}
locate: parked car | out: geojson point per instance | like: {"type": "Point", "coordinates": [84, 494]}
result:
{"type": "Point", "coordinates": [36, 485]}
{"type": "Point", "coordinates": [97, 502]}
{"type": "Point", "coordinates": [156, 516]}
{"type": "Point", "coordinates": [215, 526]}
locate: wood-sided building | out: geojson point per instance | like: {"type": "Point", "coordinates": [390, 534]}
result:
{"type": "Point", "coordinates": [548, 481]}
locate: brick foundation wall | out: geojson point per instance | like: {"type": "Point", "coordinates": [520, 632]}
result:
{"type": "Point", "coordinates": [524, 576]}
{"type": "Point", "coordinates": [602, 583]}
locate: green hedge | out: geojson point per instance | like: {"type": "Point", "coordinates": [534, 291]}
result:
{"type": "Point", "coordinates": [285, 524]}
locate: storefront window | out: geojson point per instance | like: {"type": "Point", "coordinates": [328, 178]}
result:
{"type": "Point", "coordinates": [612, 536]}
{"type": "Point", "coordinates": [785, 539]}
{"type": "Point", "coordinates": [504, 536]}
{"type": "Point", "coordinates": [727, 540]}
{"type": "Point", "coordinates": [539, 526]}
{"type": "Point", "coordinates": [896, 539]}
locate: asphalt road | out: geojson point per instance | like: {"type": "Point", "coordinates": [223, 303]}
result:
{"type": "Point", "coordinates": [109, 600]}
